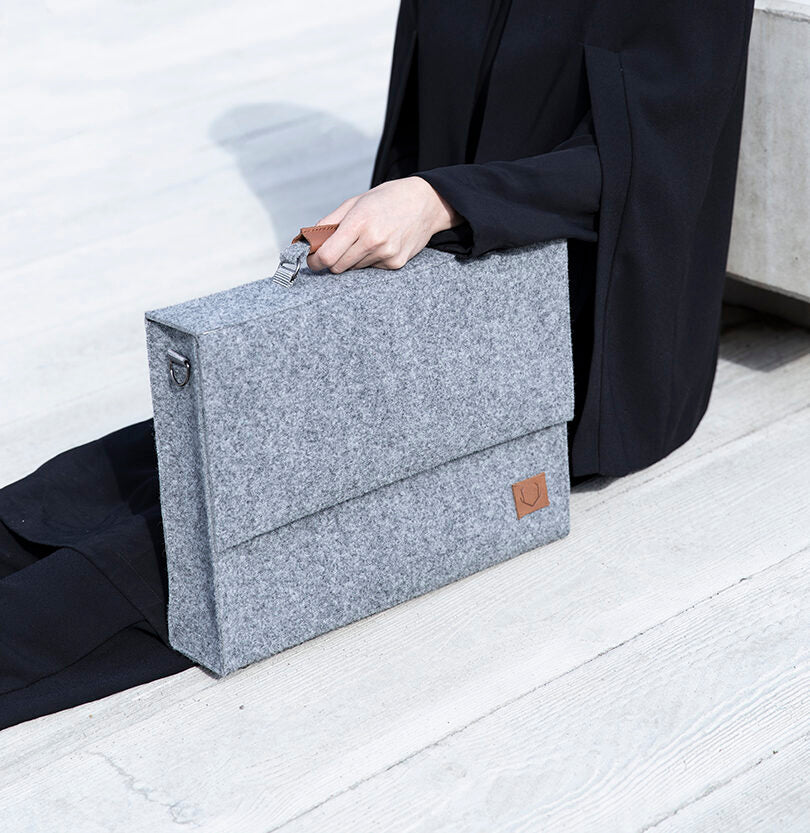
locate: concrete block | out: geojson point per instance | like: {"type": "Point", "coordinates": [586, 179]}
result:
{"type": "Point", "coordinates": [770, 238]}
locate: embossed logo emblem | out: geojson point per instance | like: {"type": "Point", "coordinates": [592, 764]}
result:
{"type": "Point", "coordinates": [530, 494]}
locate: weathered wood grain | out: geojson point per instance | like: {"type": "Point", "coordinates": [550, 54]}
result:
{"type": "Point", "coordinates": [771, 796]}
{"type": "Point", "coordinates": [623, 741]}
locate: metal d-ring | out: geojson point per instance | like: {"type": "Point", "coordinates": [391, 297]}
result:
{"type": "Point", "coordinates": [176, 359]}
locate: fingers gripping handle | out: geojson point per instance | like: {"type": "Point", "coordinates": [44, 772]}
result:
{"type": "Point", "coordinates": [306, 242]}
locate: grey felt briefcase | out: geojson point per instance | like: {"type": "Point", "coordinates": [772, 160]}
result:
{"type": "Point", "coordinates": [332, 445]}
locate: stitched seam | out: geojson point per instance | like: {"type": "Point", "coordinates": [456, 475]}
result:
{"type": "Point", "coordinates": [620, 226]}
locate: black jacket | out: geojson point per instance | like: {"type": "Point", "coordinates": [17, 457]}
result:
{"type": "Point", "coordinates": [615, 124]}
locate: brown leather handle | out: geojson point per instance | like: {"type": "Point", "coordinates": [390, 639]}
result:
{"type": "Point", "coordinates": [316, 236]}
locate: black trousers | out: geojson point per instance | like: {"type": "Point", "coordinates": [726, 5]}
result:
{"type": "Point", "coordinates": [83, 590]}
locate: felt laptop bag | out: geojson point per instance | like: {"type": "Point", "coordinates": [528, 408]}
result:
{"type": "Point", "coordinates": [332, 445]}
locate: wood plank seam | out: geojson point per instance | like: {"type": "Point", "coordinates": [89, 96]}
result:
{"type": "Point", "coordinates": [511, 701]}
{"type": "Point", "coordinates": [712, 788]}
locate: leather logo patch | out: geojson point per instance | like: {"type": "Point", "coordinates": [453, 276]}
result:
{"type": "Point", "coordinates": [530, 494]}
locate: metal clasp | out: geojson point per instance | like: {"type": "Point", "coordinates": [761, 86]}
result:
{"type": "Point", "coordinates": [286, 273]}
{"type": "Point", "coordinates": [175, 360]}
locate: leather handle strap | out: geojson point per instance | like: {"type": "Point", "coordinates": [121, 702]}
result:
{"type": "Point", "coordinates": [307, 241]}
{"type": "Point", "coordinates": [316, 236]}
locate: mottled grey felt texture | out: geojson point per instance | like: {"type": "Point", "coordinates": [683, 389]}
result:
{"type": "Point", "coordinates": [367, 554]}
{"type": "Point", "coordinates": [431, 384]}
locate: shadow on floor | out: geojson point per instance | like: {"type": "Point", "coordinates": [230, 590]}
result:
{"type": "Point", "coordinates": [759, 341]}
{"type": "Point", "coordinates": [300, 163]}
{"type": "Point", "coordinates": [594, 484]}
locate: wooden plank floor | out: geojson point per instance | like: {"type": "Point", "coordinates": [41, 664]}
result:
{"type": "Point", "coordinates": [650, 672]}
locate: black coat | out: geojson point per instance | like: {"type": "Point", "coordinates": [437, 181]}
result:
{"type": "Point", "coordinates": [655, 99]}
{"type": "Point", "coordinates": [615, 124]}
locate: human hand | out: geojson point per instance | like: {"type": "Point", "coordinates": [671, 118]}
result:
{"type": "Point", "coordinates": [384, 227]}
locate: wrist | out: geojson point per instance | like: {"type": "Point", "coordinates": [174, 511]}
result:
{"type": "Point", "coordinates": [442, 215]}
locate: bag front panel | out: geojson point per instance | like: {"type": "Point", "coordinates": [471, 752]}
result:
{"type": "Point", "coordinates": [328, 400]}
